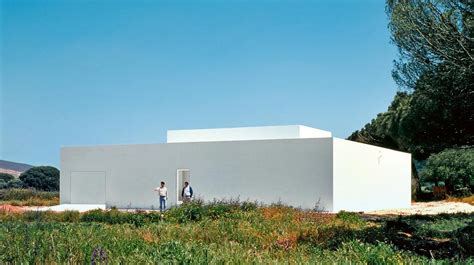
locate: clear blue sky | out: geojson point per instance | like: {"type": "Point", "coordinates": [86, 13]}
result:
{"type": "Point", "coordinates": [119, 72]}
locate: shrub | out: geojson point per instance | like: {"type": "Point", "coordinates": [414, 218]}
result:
{"type": "Point", "coordinates": [6, 177]}
{"type": "Point", "coordinates": [221, 208]}
{"type": "Point", "coordinates": [454, 167]}
{"type": "Point", "coordinates": [192, 211]}
{"type": "Point", "coordinates": [42, 178]}
{"type": "Point", "coordinates": [15, 184]}
{"type": "Point", "coordinates": [248, 206]}
{"type": "Point", "coordinates": [3, 184]}
{"type": "Point", "coordinates": [349, 217]}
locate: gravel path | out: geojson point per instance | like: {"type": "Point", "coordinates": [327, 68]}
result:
{"type": "Point", "coordinates": [426, 208]}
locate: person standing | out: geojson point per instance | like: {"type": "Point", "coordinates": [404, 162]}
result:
{"type": "Point", "coordinates": [187, 192]}
{"type": "Point", "coordinates": [163, 192]}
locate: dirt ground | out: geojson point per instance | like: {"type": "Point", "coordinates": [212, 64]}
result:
{"type": "Point", "coordinates": [429, 208]}
{"type": "Point", "coordinates": [11, 208]}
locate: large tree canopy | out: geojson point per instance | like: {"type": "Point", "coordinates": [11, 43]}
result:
{"type": "Point", "coordinates": [435, 72]}
{"type": "Point", "coordinates": [42, 178]}
{"type": "Point", "coordinates": [435, 39]}
{"type": "Point", "coordinates": [435, 67]}
{"type": "Point", "coordinates": [429, 33]}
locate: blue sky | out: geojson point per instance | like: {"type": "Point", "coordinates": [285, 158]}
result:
{"type": "Point", "coordinates": [118, 72]}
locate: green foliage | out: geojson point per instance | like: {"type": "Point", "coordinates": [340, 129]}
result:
{"type": "Point", "coordinates": [15, 184]}
{"type": "Point", "coordinates": [435, 62]}
{"type": "Point", "coordinates": [359, 252]}
{"type": "Point", "coordinates": [117, 217]}
{"type": "Point", "coordinates": [28, 197]}
{"type": "Point", "coordinates": [248, 206]}
{"type": "Point", "coordinates": [455, 167]}
{"type": "Point", "coordinates": [465, 237]}
{"type": "Point", "coordinates": [3, 184]}
{"type": "Point", "coordinates": [9, 181]}
{"type": "Point", "coordinates": [436, 65]}
{"type": "Point", "coordinates": [431, 33]}
{"type": "Point", "coordinates": [385, 129]}
{"type": "Point", "coordinates": [192, 211]}
{"type": "Point", "coordinates": [6, 177]}
{"type": "Point", "coordinates": [25, 194]}
{"type": "Point", "coordinates": [197, 210]}
{"type": "Point", "coordinates": [349, 217]}
{"type": "Point", "coordinates": [42, 178]}
{"type": "Point", "coordinates": [265, 235]}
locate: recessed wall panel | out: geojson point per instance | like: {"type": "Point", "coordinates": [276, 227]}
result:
{"type": "Point", "coordinates": [88, 187]}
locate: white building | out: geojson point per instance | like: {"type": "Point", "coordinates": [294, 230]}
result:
{"type": "Point", "coordinates": [297, 165]}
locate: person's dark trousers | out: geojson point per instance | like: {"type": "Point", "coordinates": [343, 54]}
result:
{"type": "Point", "coordinates": [162, 203]}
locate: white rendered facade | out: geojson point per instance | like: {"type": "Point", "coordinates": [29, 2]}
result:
{"type": "Point", "coordinates": [245, 133]}
{"type": "Point", "coordinates": [296, 165]}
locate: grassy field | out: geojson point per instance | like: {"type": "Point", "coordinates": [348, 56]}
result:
{"type": "Point", "coordinates": [232, 232]}
{"type": "Point", "coordinates": [27, 197]}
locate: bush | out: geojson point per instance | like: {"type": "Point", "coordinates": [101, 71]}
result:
{"type": "Point", "coordinates": [15, 184]}
{"type": "Point", "coordinates": [217, 210]}
{"type": "Point", "coordinates": [3, 184]}
{"type": "Point", "coordinates": [42, 178]}
{"type": "Point", "coordinates": [6, 177]}
{"type": "Point", "coordinates": [349, 217]}
{"type": "Point", "coordinates": [454, 167]}
{"type": "Point", "coordinates": [191, 211]}
{"type": "Point", "coordinates": [248, 206]}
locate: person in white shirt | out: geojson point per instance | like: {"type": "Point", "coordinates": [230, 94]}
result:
{"type": "Point", "coordinates": [187, 192]}
{"type": "Point", "coordinates": [163, 192]}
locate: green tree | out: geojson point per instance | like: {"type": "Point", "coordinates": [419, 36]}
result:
{"type": "Point", "coordinates": [6, 177]}
{"type": "Point", "coordinates": [455, 167]}
{"type": "Point", "coordinates": [435, 69]}
{"type": "Point", "coordinates": [15, 184]}
{"type": "Point", "coordinates": [42, 178]}
{"type": "Point", "coordinates": [430, 33]}
{"type": "Point", "coordinates": [435, 39]}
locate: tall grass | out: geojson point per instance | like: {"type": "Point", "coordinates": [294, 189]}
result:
{"type": "Point", "coordinates": [215, 233]}
{"type": "Point", "coordinates": [51, 242]}
{"type": "Point", "coordinates": [28, 197]}
{"type": "Point", "coordinates": [468, 199]}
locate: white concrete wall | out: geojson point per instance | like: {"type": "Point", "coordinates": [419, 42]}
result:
{"type": "Point", "coordinates": [297, 171]}
{"type": "Point", "coordinates": [367, 177]}
{"type": "Point", "coordinates": [245, 133]}
{"type": "Point", "coordinates": [308, 132]}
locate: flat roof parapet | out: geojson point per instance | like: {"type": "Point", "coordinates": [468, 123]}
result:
{"type": "Point", "coordinates": [245, 133]}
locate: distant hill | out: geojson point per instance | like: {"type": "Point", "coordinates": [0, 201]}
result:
{"type": "Point", "coordinates": [13, 168]}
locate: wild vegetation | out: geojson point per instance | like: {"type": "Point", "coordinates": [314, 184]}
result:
{"type": "Point", "coordinates": [468, 199]}
{"type": "Point", "coordinates": [28, 197]}
{"type": "Point", "coordinates": [431, 117]}
{"type": "Point", "coordinates": [455, 168]}
{"type": "Point", "coordinates": [44, 178]}
{"type": "Point", "coordinates": [232, 232]}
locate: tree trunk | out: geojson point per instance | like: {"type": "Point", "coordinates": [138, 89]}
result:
{"type": "Point", "coordinates": [415, 181]}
